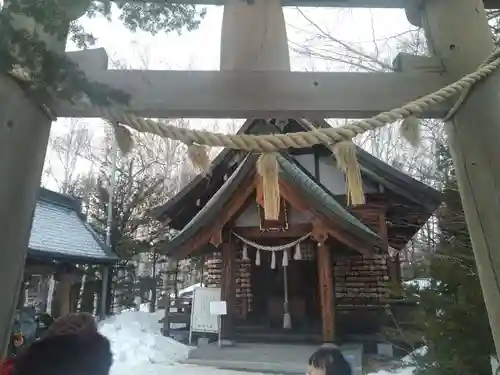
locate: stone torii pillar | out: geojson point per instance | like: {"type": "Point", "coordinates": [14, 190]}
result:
{"type": "Point", "coordinates": [24, 135]}
{"type": "Point", "coordinates": [459, 35]}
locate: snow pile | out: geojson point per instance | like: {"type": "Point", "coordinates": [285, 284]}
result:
{"type": "Point", "coordinates": [407, 364]}
{"type": "Point", "coordinates": [137, 342]}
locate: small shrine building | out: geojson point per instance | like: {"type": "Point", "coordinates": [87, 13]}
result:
{"type": "Point", "coordinates": [324, 271]}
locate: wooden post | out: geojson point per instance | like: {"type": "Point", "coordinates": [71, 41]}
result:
{"type": "Point", "coordinates": [228, 290]}
{"type": "Point", "coordinates": [458, 33]}
{"type": "Point", "coordinates": [326, 290]}
{"type": "Point", "coordinates": [103, 306]}
{"type": "Point", "coordinates": [63, 293]}
{"type": "Point", "coordinates": [254, 36]}
{"type": "Point", "coordinates": [24, 135]}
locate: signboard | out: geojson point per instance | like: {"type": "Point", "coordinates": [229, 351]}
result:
{"type": "Point", "coordinates": [218, 308]}
{"type": "Point", "coordinates": [202, 320]}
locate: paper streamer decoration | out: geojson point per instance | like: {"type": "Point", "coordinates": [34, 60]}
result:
{"type": "Point", "coordinates": [298, 253]}
{"type": "Point", "coordinates": [245, 253]}
{"type": "Point", "coordinates": [284, 262]}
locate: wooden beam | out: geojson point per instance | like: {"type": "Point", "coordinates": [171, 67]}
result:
{"type": "Point", "coordinates": [253, 94]}
{"type": "Point", "coordinates": [326, 289]}
{"type": "Point", "coordinates": [495, 4]}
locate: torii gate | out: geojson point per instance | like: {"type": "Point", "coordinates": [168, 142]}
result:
{"type": "Point", "coordinates": [255, 81]}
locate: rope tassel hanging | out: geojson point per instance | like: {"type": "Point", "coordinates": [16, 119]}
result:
{"type": "Point", "coordinates": [410, 130]}
{"type": "Point", "coordinates": [198, 156]}
{"type": "Point", "coordinates": [273, 260]}
{"type": "Point", "coordinates": [267, 168]}
{"type": "Point", "coordinates": [123, 139]}
{"type": "Point", "coordinates": [347, 162]}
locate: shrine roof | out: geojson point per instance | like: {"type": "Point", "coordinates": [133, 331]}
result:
{"type": "Point", "coordinates": [294, 175]}
{"type": "Point", "coordinates": [322, 201]}
{"type": "Point", "coordinates": [212, 208]}
{"type": "Point", "coordinates": [179, 210]}
{"type": "Point", "coordinates": [60, 232]}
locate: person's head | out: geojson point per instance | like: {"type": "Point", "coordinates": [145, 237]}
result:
{"type": "Point", "coordinates": [76, 323]}
{"type": "Point", "coordinates": [328, 360]}
{"type": "Point", "coordinates": [69, 354]}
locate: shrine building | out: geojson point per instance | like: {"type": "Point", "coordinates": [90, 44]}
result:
{"type": "Point", "coordinates": [324, 271]}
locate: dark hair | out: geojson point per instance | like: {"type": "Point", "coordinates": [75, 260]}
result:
{"type": "Point", "coordinates": [330, 359]}
{"type": "Point", "coordinates": [66, 355]}
{"type": "Point", "coordinates": [74, 323]}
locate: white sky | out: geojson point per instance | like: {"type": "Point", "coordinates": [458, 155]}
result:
{"type": "Point", "coordinates": [199, 49]}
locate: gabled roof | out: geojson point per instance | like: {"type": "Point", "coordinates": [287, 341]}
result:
{"type": "Point", "coordinates": [60, 232]}
{"type": "Point", "coordinates": [296, 177]}
{"type": "Point", "coordinates": [212, 208]}
{"type": "Point", "coordinates": [178, 211]}
{"type": "Point", "coordinates": [322, 201]}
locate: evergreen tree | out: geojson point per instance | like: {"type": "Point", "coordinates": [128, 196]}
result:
{"type": "Point", "coordinates": [452, 314]}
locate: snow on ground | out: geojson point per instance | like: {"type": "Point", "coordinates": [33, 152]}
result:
{"type": "Point", "coordinates": [407, 364]}
{"type": "Point", "coordinates": [137, 342]}
{"type": "Point", "coordinates": [139, 348]}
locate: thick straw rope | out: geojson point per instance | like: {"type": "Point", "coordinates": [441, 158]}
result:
{"type": "Point", "coordinates": [326, 136]}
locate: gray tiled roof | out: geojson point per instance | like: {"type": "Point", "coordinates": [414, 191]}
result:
{"type": "Point", "coordinates": [59, 232]}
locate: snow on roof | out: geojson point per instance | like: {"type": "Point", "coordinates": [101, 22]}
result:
{"type": "Point", "coordinates": [59, 231]}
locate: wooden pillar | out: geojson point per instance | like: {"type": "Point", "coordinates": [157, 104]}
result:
{"type": "Point", "coordinates": [24, 135]}
{"type": "Point", "coordinates": [326, 290]}
{"type": "Point", "coordinates": [228, 283]}
{"type": "Point", "coordinates": [458, 33]}
{"type": "Point", "coordinates": [63, 294]}
{"type": "Point", "coordinates": [103, 305]}
{"type": "Point", "coordinates": [254, 36]}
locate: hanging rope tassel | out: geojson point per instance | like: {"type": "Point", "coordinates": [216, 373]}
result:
{"type": "Point", "coordinates": [284, 262]}
{"type": "Point", "coordinates": [245, 257]}
{"type": "Point", "coordinates": [123, 139]}
{"type": "Point", "coordinates": [273, 260]}
{"type": "Point", "coordinates": [257, 258]}
{"type": "Point", "coordinates": [410, 130]}
{"type": "Point", "coordinates": [198, 156]}
{"type": "Point", "coordinates": [347, 161]}
{"type": "Point", "coordinates": [298, 253]}
{"type": "Point", "coordinates": [267, 167]}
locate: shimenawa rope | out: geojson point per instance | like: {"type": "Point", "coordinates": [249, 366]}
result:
{"type": "Point", "coordinates": [326, 136]}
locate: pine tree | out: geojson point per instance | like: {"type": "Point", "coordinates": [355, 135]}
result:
{"type": "Point", "coordinates": [452, 314]}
